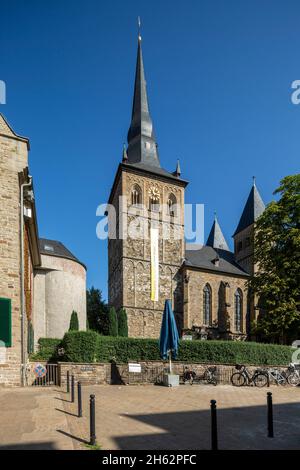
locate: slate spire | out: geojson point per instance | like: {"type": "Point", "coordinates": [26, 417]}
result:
{"type": "Point", "coordinates": [254, 207]}
{"type": "Point", "coordinates": [216, 238]}
{"type": "Point", "coordinates": [142, 147]}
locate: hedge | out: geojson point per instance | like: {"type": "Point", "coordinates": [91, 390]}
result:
{"type": "Point", "coordinates": [47, 350]}
{"type": "Point", "coordinates": [89, 346]}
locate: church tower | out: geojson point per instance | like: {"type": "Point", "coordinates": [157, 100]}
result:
{"type": "Point", "coordinates": [146, 225]}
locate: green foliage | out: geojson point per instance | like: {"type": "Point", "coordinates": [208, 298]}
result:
{"type": "Point", "coordinates": [74, 323]}
{"type": "Point", "coordinates": [97, 311]}
{"type": "Point", "coordinates": [80, 346]}
{"type": "Point", "coordinates": [90, 346]}
{"type": "Point", "coordinates": [122, 323]}
{"type": "Point", "coordinates": [47, 351]}
{"type": "Point", "coordinates": [277, 253]}
{"type": "Point", "coordinates": [112, 322]}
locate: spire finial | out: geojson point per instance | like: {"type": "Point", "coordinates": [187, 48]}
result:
{"type": "Point", "coordinates": [125, 156]}
{"type": "Point", "coordinates": [254, 180]}
{"type": "Point", "coordinates": [177, 172]}
{"type": "Point", "coordinates": [215, 214]}
{"type": "Point", "coordinates": [139, 28]}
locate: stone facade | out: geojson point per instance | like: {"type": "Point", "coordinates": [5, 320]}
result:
{"type": "Point", "coordinates": [13, 164]}
{"type": "Point", "coordinates": [129, 258]}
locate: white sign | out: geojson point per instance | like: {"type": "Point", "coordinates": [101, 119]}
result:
{"type": "Point", "coordinates": [136, 368]}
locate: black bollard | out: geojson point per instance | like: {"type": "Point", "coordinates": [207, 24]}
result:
{"type": "Point", "coordinates": [79, 400]}
{"type": "Point", "coordinates": [68, 381]}
{"type": "Point", "coordinates": [72, 389]}
{"type": "Point", "coordinates": [214, 430]}
{"type": "Point", "coordinates": [92, 421]}
{"type": "Point", "coordinates": [270, 415]}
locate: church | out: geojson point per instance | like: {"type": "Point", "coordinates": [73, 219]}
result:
{"type": "Point", "coordinates": [207, 286]}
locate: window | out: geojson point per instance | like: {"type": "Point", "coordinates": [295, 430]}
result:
{"type": "Point", "coordinates": [5, 322]}
{"type": "Point", "coordinates": [239, 246]}
{"type": "Point", "coordinates": [171, 205]}
{"type": "Point", "coordinates": [238, 306]}
{"type": "Point", "coordinates": [207, 305]}
{"type": "Point", "coordinates": [48, 248]}
{"type": "Point", "coordinates": [136, 195]}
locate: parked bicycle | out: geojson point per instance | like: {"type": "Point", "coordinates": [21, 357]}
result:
{"type": "Point", "coordinates": [293, 375]}
{"type": "Point", "coordinates": [209, 376]}
{"type": "Point", "coordinates": [243, 377]}
{"type": "Point", "coordinates": [276, 376]}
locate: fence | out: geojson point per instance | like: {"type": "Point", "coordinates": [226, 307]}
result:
{"type": "Point", "coordinates": [51, 377]}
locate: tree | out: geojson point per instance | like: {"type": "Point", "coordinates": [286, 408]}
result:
{"type": "Point", "coordinates": [122, 323]}
{"type": "Point", "coordinates": [112, 322]}
{"type": "Point", "coordinates": [277, 254]}
{"type": "Point", "coordinates": [74, 323]}
{"type": "Point", "coordinates": [97, 311]}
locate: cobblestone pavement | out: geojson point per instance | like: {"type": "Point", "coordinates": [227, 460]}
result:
{"type": "Point", "coordinates": [155, 417]}
{"type": "Point", "coordinates": [30, 419]}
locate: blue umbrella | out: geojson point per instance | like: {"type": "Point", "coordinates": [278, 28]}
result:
{"type": "Point", "coordinates": [169, 338]}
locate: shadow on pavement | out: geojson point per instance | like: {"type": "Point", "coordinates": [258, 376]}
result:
{"type": "Point", "coordinates": [30, 446]}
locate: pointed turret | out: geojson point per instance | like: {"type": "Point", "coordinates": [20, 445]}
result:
{"type": "Point", "coordinates": [125, 156]}
{"type": "Point", "coordinates": [254, 207]}
{"type": "Point", "coordinates": [142, 146]}
{"type": "Point", "coordinates": [177, 172]}
{"type": "Point", "coordinates": [216, 238]}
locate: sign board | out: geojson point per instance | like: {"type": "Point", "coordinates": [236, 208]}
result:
{"type": "Point", "coordinates": [88, 369]}
{"type": "Point", "coordinates": [40, 370]}
{"type": "Point", "coordinates": [135, 368]}
{"type": "Point", "coordinates": [187, 337]}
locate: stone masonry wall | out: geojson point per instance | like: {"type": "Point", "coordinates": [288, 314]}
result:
{"type": "Point", "coordinates": [13, 159]}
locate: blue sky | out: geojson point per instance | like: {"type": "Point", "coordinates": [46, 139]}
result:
{"type": "Point", "coordinates": [219, 77]}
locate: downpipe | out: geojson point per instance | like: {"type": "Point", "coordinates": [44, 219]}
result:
{"type": "Point", "coordinates": [23, 313]}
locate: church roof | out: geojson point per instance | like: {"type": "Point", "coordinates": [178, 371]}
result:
{"type": "Point", "coordinates": [216, 238]}
{"type": "Point", "coordinates": [254, 207]}
{"type": "Point", "coordinates": [56, 248]}
{"type": "Point", "coordinates": [205, 258]}
{"type": "Point", "coordinates": [142, 146]}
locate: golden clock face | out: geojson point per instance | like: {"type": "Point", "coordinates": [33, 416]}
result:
{"type": "Point", "coordinates": [154, 193]}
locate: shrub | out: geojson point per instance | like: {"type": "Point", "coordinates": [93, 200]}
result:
{"type": "Point", "coordinates": [48, 350]}
{"type": "Point", "coordinates": [112, 322]}
{"type": "Point", "coordinates": [80, 346]}
{"type": "Point", "coordinates": [74, 323]}
{"type": "Point", "coordinates": [89, 346]}
{"type": "Point", "coordinates": [122, 323]}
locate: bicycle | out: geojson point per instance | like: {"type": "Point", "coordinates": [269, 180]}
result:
{"type": "Point", "coordinates": [293, 375]}
{"type": "Point", "coordinates": [208, 376]}
{"type": "Point", "coordinates": [274, 375]}
{"type": "Point", "coordinates": [259, 378]}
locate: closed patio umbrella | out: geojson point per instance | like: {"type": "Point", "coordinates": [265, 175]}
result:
{"type": "Point", "coordinates": [169, 338]}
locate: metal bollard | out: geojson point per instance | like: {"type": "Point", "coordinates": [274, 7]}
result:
{"type": "Point", "coordinates": [214, 430]}
{"type": "Point", "coordinates": [68, 381]}
{"type": "Point", "coordinates": [79, 400]}
{"type": "Point", "coordinates": [92, 421]}
{"type": "Point", "coordinates": [270, 415]}
{"type": "Point", "coordinates": [72, 389]}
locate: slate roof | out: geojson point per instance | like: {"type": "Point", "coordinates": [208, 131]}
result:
{"type": "Point", "coordinates": [154, 169]}
{"type": "Point", "coordinates": [216, 238]}
{"type": "Point", "coordinates": [204, 257]}
{"type": "Point", "coordinates": [56, 248]}
{"type": "Point", "coordinates": [254, 207]}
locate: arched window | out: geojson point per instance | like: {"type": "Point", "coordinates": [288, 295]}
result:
{"type": "Point", "coordinates": [171, 205]}
{"type": "Point", "coordinates": [207, 305]}
{"type": "Point", "coordinates": [238, 309]}
{"type": "Point", "coordinates": [136, 195]}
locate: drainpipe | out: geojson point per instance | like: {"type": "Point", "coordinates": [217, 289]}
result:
{"type": "Point", "coordinates": [23, 313]}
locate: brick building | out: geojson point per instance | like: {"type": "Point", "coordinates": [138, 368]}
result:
{"type": "Point", "coordinates": [22, 261]}
{"type": "Point", "coordinates": [207, 286]}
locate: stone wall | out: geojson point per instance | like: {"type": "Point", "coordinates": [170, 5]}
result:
{"type": "Point", "coordinates": [13, 159]}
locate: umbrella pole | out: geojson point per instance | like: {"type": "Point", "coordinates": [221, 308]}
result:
{"type": "Point", "coordinates": [170, 362]}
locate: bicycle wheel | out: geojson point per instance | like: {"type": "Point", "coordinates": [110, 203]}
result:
{"type": "Point", "coordinates": [294, 379]}
{"type": "Point", "coordinates": [260, 380]}
{"type": "Point", "coordinates": [238, 379]}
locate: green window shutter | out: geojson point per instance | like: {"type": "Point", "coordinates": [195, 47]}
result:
{"type": "Point", "coordinates": [5, 321]}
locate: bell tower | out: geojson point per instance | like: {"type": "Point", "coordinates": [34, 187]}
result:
{"type": "Point", "coordinates": [147, 251]}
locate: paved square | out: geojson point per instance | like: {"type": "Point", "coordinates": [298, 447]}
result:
{"type": "Point", "coordinates": [155, 417]}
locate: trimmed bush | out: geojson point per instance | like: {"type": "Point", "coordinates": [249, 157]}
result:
{"type": "Point", "coordinates": [47, 350]}
{"type": "Point", "coordinates": [80, 346]}
{"type": "Point", "coordinates": [112, 322]}
{"type": "Point", "coordinates": [122, 323]}
{"type": "Point", "coordinates": [74, 323]}
{"type": "Point", "coordinates": [89, 346]}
